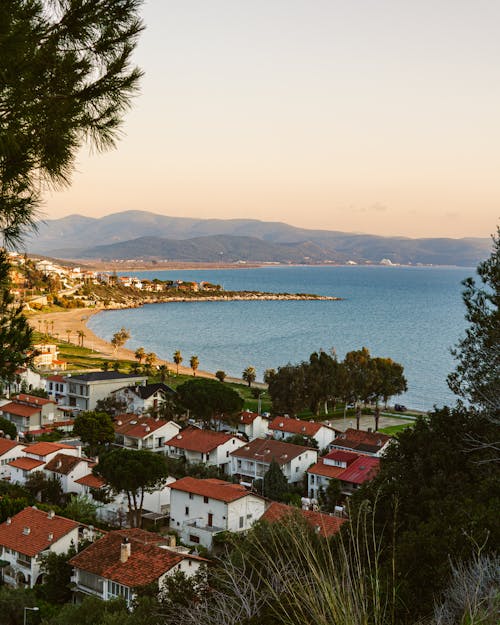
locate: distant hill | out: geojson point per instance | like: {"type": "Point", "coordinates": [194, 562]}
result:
{"type": "Point", "coordinates": [143, 235]}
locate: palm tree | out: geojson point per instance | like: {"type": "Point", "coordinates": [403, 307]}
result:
{"type": "Point", "coordinates": [193, 363]}
{"type": "Point", "coordinates": [68, 332]}
{"type": "Point", "coordinates": [140, 354]}
{"type": "Point", "coordinates": [150, 359]}
{"type": "Point", "coordinates": [81, 336]}
{"type": "Point", "coordinates": [163, 371]}
{"type": "Point", "coordinates": [177, 359]}
{"type": "Point", "coordinates": [249, 375]}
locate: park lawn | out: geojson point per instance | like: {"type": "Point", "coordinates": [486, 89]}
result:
{"type": "Point", "coordinates": [394, 429]}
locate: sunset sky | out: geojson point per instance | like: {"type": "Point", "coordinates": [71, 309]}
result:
{"type": "Point", "coordinates": [355, 115]}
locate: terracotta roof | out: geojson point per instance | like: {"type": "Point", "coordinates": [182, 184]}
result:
{"type": "Point", "coordinates": [247, 418]}
{"type": "Point", "coordinates": [368, 438]}
{"type": "Point", "coordinates": [44, 449]}
{"type": "Point", "coordinates": [265, 450]}
{"type": "Point", "coordinates": [137, 426]}
{"type": "Point", "coordinates": [325, 470]}
{"type": "Point", "coordinates": [361, 470]}
{"type": "Point", "coordinates": [342, 456]}
{"type": "Point", "coordinates": [43, 531]}
{"type": "Point", "coordinates": [146, 563]}
{"type": "Point", "coordinates": [194, 439]}
{"type": "Point", "coordinates": [6, 445]}
{"type": "Point", "coordinates": [56, 378]}
{"type": "Point", "coordinates": [63, 464]}
{"type": "Point", "coordinates": [21, 410]}
{"type": "Point", "coordinates": [27, 464]}
{"type": "Point", "coordinates": [212, 488]}
{"type": "Point", "coordinates": [33, 399]}
{"type": "Point", "coordinates": [324, 524]}
{"type": "Point", "coordinates": [91, 480]}
{"type": "Point", "coordinates": [295, 426]}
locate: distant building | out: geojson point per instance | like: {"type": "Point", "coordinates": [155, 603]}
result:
{"type": "Point", "coordinates": [325, 525]}
{"type": "Point", "coordinates": [9, 451]}
{"type": "Point", "coordinates": [349, 468]}
{"type": "Point", "coordinates": [368, 443]}
{"type": "Point", "coordinates": [143, 397]}
{"type": "Point", "coordinates": [252, 424]}
{"type": "Point", "coordinates": [283, 428]}
{"type": "Point", "coordinates": [140, 432]}
{"type": "Point", "coordinates": [30, 413]}
{"type": "Point", "coordinates": [34, 458]}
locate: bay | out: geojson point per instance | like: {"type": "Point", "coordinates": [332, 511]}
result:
{"type": "Point", "coordinates": [413, 315]}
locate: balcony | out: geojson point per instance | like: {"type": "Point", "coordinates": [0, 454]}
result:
{"type": "Point", "coordinates": [199, 524]}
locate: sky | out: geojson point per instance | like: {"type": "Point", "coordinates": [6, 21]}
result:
{"type": "Point", "coordinates": [376, 116]}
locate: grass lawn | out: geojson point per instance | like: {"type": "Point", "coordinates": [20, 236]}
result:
{"type": "Point", "coordinates": [394, 429]}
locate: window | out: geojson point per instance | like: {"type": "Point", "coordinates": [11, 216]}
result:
{"type": "Point", "coordinates": [187, 511]}
{"type": "Point", "coordinates": [117, 590]}
{"type": "Point", "coordinates": [205, 499]}
{"type": "Point", "coordinates": [296, 469]}
{"type": "Point", "coordinates": [242, 521]}
{"type": "Point", "coordinates": [191, 496]}
{"type": "Point", "coordinates": [194, 539]}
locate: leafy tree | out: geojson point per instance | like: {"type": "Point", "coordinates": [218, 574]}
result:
{"type": "Point", "coordinates": [8, 428]}
{"type": "Point", "coordinates": [45, 489]}
{"type": "Point", "coordinates": [111, 405]}
{"type": "Point", "coordinates": [150, 359]}
{"type": "Point", "coordinates": [359, 374]}
{"type": "Point", "coordinates": [177, 359]}
{"type": "Point", "coordinates": [194, 363]}
{"type": "Point", "coordinates": [330, 496]}
{"type": "Point", "coordinates": [268, 375]}
{"type": "Point", "coordinates": [220, 375]}
{"type": "Point", "coordinates": [95, 429]}
{"type": "Point", "coordinates": [81, 508]}
{"type": "Point", "coordinates": [116, 366]}
{"type": "Point", "coordinates": [163, 372]}
{"type": "Point", "coordinates": [387, 379]}
{"type": "Point", "coordinates": [133, 472]}
{"type": "Point", "coordinates": [249, 375]}
{"type": "Point", "coordinates": [275, 485]}
{"type": "Point", "coordinates": [300, 439]}
{"type": "Point", "coordinates": [15, 333]}
{"type": "Point", "coordinates": [287, 390]}
{"type": "Point", "coordinates": [477, 375]}
{"type": "Point", "coordinates": [39, 392]}
{"type": "Point", "coordinates": [10, 505]}
{"type": "Point", "coordinates": [56, 587]}
{"type": "Point", "coordinates": [207, 399]}
{"type": "Point", "coordinates": [120, 338]}
{"type": "Point", "coordinates": [322, 380]}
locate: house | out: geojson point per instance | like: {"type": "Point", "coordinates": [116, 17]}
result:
{"type": "Point", "coordinates": [9, 451]}
{"type": "Point", "coordinates": [67, 469]}
{"type": "Point", "coordinates": [125, 560]}
{"type": "Point", "coordinates": [27, 536]}
{"type": "Point", "coordinates": [251, 461]}
{"type": "Point", "coordinates": [30, 413]}
{"type": "Point", "coordinates": [35, 457]}
{"type": "Point", "coordinates": [86, 389]}
{"type": "Point", "coordinates": [47, 356]}
{"type": "Point", "coordinates": [139, 432]}
{"type": "Point", "coordinates": [283, 428]}
{"type": "Point", "coordinates": [207, 446]}
{"type": "Point", "coordinates": [139, 399]}
{"type": "Point", "coordinates": [325, 525]}
{"type": "Point", "coordinates": [349, 468]}
{"type": "Point", "coordinates": [368, 443]}
{"type": "Point", "coordinates": [26, 380]}
{"type": "Point", "coordinates": [252, 425]}
{"type": "Point", "coordinates": [56, 387]}
{"type": "Point", "coordinates": [200, 509]}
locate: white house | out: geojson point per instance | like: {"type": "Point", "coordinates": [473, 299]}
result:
{"type": "Point", "coordinates": [362, 442]}
{"type": "Point", "coordinates": [9, 451]}
{"type": "Point", "coordinates": [86, 389]}
{"type": "Point", "coordinates": [283, 428]}
{"type": "Point", "coordinates": [200, 509]}
{"type": "Point", "coordinates": [26, 537]}
{"type": "Point", "coordinates": [30, 413]}
{"type": "Point", "coordinates": [143, 397]}
{"type": "Point", "coordinates": [35, 457]}
{"type": "Point", "coordinates": [251, 461]}
{"type": "Point", "coordinates": [207, 446]}
{"type": "Point", "coordinates": [125, 560]}
{"type": "Point", "coordinates": [139, 432]}
{"type": "Point", "coordinates": [57, 388]}
{"type": "Point", "coordinates": [68, 468]}
{"type": "Point", "coordinates": [253, 425]}
{"type": "Point", "coordinates": [25, 379]}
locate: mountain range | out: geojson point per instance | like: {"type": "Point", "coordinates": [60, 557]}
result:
{"type": "Point", "coordinates": [143, 235]}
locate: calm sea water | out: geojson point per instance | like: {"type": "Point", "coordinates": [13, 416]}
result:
{"type": "Point", "coordinates": [413, 315]}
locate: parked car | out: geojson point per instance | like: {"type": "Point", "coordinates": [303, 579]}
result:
{"type": "Point", "coordinates": [400, 408]}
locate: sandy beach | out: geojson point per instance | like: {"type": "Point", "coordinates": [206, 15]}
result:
{"type": "Point", "coordinates": [75, 320]}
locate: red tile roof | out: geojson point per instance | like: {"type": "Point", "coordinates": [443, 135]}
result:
{"type": "Point", "coordinates": [137, 426]}
{"type": "Point", "coordinates": [27, 464]}
{"type": "Point", "coordinates": [212, 488]}
{"type": "Point", "coordinates": [325, 470]}
{"type": "Point", "coordinates": [6, 445]}
{"type": "Point", "coordinates": [91, 480]}
{"type": "Point", "coordinates": [44, 449]}
{"type": "Point", "coordinates": [56, 378]}
{"type": "Point", "coordinates": [247, 418]}
{"type": "Point", "coordinates": [43, 531]}
{"type": "Point", "coordinates": [33, 399]}
{"type": "Point", "coordinates": [194, 439]}
{"type": "Point", "coordinates": [265, 450]}
{"type": "Point", "coordinates": [361, 441]}
{"type": "Point", "coordinates": [324, 524]}
{"type": "Point", "coordinates": [63, 464]}
{"type": "Point", "coordinates": [146, 563]}
{"type": "Point", "coordinates": [361, 470]}
{"type": "Point", "coordinates": [20, 410]}
{"type": "Point", "coordinates": [342, 456]}
{"type": "Point", "coordinates": [295, 426]}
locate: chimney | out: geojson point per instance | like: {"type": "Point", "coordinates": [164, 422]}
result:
{"type": "Point", "coordinates": [171, 540]}
{"type": "Point", "coordinates": [51, 537]}
{"type": "Point", "coordinates": [125, 550]}
{"type": "Point", "coordinates": [50, 514]}
{"type": "Point", "coordinates": [26, 531]}
{"type": "Point", "coordinates": [9, 520]}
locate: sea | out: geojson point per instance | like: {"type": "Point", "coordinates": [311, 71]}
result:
{"type": "Point", "coordinates": [414, 315]}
